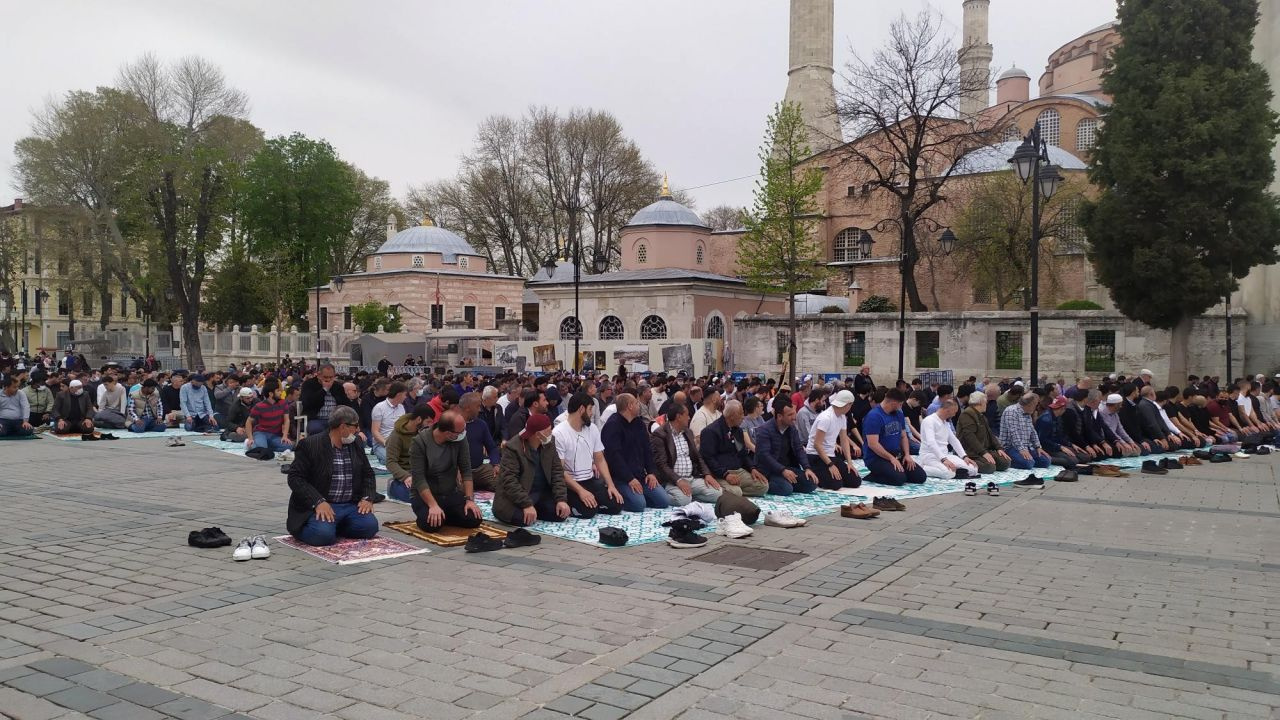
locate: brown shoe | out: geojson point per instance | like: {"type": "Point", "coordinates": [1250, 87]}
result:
{"type": "Point", "coordinates": [1189, 460]}
{"type": "Point", "coordinates": [858, 512]}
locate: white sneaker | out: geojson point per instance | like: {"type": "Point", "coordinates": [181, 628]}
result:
{"type": "Point", "coordinates": [285, 456]}
{"type": "Point", "coordinates": [243, 551]}
{"type": "Point", "coordinates": [782, 519]}
{"type": "Point", "coordinates": [260, 549]}
{"type": "Point", "coordinates": [731, 526]}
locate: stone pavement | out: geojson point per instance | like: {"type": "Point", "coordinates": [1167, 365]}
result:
{"type": "Point", "coordinates": [1140, 597]}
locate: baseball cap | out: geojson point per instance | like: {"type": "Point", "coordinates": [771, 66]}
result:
{"type": "Point", "coordinates": [535, 424]}
{"type": "Point", "coordinates": [75, 383]}
{"type": "Point", "coordinates": [1145, 371]}
{"type": "Point", "coordinates": [842, 398]}
{"type": "Point", "coordinates": [1058, 402]}
{"type": "Point", "coordinates": [247, 392]}
{"type": "Point", "coordinates": [1114, 399]}
{"type": "Point", "coordinates": [1018, 383]}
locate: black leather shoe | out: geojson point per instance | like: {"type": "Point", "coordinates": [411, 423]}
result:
{"type": "Point", "coordinates": [521, 538]}
{"type": "Point", "coordinates": [482, 543]}
{"type": "Point", "coordinates": [1151, 468]}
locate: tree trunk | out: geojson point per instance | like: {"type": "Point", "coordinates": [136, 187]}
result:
{"type": "Point", "coordinates": [912, 258]}
{"type": "Point", "coordinates": [791, 344]}
{"type": "Point", "coordinates": [1179, 339]}
{"type": "Point", "coordinates": [191, 339]}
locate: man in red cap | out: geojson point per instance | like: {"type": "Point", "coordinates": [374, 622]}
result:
{"type": "Point", "coordinates": [530, 485]}
{"type": "Point", "coordinates": [1053, 440]}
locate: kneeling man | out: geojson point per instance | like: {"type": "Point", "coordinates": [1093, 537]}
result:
{"type": "Point", "coordinates": [941, 452]}
{"type": "Point", "coordinates": [530, 485]}
{"type": "Point", "coordinates": [332, 484]}
{"type": "Point", "coordinates": [440, 463]}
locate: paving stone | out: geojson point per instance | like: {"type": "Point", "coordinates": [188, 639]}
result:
{"type": "Point", "coordinates": [186, 708]}
{"type": "Point", "coordinates": [127, 711]}
{"type": "Point", "coordinates": [61, 667]}
{"type": "Point", "coordinates": [103, 680]}
{"type": "Point", "coordinates": [569, 705]}
{"type": "Point", "coordinates": [81, 699]}
{"type": "Point", "coordinates": [39, 684]}
{"type": "Point", "coordinates": [144, 694]}
{"type": "Point", "coordinates": [610, 696]}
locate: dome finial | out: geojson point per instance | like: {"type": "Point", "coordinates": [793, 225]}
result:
{"type": "Point", "coordinates": [427, 222]}
{"type": "Point", "coordinates": [666, 189]}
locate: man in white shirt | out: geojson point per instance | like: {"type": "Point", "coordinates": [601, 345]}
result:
{"type": "Point", "coordinates": [941, 453]}
{"type": "Point", "coordinates": [586, 474]}
{"type": "Point", "coordinates": [830, 452]}
{"type": "Point", "coordinates": [657, 399]}
{"type": "Point", "coordinates": [707, 414]}
{"type": "Point", "coordinates": [384, 416]}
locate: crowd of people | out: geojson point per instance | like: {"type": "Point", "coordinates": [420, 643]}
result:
{"type": "Point", "coordinates": [554, 447]}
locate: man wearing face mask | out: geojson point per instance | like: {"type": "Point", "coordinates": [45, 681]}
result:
{"type": "Point", "coordinates": [73, 410]}
{"type": "Point", "coordinates": [197, 406]}
{"type": "Point", "coordinates": [531, 483]}
{"type": "Point", "coordinates": [440, 463]}
{"type": "Point", "coordinates": [332, 485]}
{"type": "Point", "coordinates": [40, 398]}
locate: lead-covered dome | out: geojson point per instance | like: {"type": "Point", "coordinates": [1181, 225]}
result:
{"type": "Point", "coordinates": [428, 239]}
{"type": "Point", "coordinates": [667, 212]}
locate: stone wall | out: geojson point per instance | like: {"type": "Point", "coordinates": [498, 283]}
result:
{"type": "Point", "coordinates": [967, 343]}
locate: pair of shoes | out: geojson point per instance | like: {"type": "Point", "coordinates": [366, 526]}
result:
{"type": "Point", "coordinates": [858, 512]}
{"type": "Point", "coordinates": [783, 519]}
{"type": "Point", "coordinates": [1151, 467]}
{"type": "Point", "coordinates": [480, 542]}
{"type": "Point", "coordinates": [993, 489]}
{"type": "Point", "coordinates": [1170, 464]}
{"type": "Point", "coordinates": [887, 503]}
{"type": "Point", "coordinates": [210, 537]}
{"type": "Point", "coordinates": [175, 441]}
{"type": "Point", "coordinates": [89, 436]}
{"type": "Point", "coordinates": [684, 531]}
{"type": "Point", "coordinates": [1219, 457]}
{"type": "Point", "coordinates": [732, 527]}
{"type": "Point", "coordinates": [107, 436]}
{"type": "Point", "coordinates": [1030, 481]}
{"type": "Point", "coordinates": [1109, 471]}
{"type": "Point", "coordinates": [254, 548]}
{"type": "Point", "coordinates": [521, 538]}
{"type": "Point", "coordinates": [1190, 460]}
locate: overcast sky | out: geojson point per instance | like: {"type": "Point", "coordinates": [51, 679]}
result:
{"type": "Point", "coordinates": [398, 86]}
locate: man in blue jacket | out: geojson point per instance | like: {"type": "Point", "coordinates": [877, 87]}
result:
{"type": "Point", "coordinates": [780, 452]}
{"type": "Point", "coordinates": [630, 457]}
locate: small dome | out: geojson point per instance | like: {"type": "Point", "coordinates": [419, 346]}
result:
{"type": "Point", "coordinates": [428, 239]}
{"type": "Point", "coordinates": [995, 158]}
{"type": "Point", "coordinates": [667, 212]}
{"type": "Point", "coordinates": [1013, 72]}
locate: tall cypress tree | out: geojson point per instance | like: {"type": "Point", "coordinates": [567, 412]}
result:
{"type": "Point", "coordinates": [1183, 162]}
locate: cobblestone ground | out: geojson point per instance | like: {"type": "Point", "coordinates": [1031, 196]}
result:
{"type": "Point", "coordinates": [1141, 597]}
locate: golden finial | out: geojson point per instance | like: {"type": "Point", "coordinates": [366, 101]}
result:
{"type": "Point", "coordinates": [426, 221]}
{"type": "Point", "coordinates": [666, 189]}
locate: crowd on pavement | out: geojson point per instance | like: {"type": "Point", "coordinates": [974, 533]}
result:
{"type": "Point", "coordinates": [559, 446]}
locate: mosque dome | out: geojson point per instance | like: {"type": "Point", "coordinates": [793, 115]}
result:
{"type": "Point", "coordinates": [1013, 72]}
{"type": "Point", "coordinates": [424, 239]}
{"type": "Point", "coordinates": [666, 211]}
{"type": "Point", "coordinates": [995, 158]}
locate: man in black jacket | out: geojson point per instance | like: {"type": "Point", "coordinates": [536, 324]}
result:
{"type": "Point", "coordinates": [1150, 422]}
{"type": "Point", "coordinates": [725, 452]}
{"type": "Point", "coordinates": [320, 396]}
{"type": "Point", "coordinates": [1129, 418]}
{"type": "Point", "coordinates": [332, 484]}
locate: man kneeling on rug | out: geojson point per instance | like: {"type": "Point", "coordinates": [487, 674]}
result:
{"type": "Point", "coordinates": [438, 459]}
{"type": "Point", "coordinates": [530, 485]}
{"type": "Point", "coordinates": [332, 484]}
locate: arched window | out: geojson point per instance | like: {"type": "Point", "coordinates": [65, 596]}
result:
{"type": "Point", "coordinates": [1012, 134]}
{"type": "Point", "coordinates": [846, 247]}
{"type": "Point", "coordinates": [701, 252]}
{"type": "Point", "coordinates": [417, 261]}
{"type": "Point", "coordinates": [1086, 135]}
{"type": "Point", "coordinates": [642, 254]}
{"type": "Point", "coordinates": [653, 328]}
{"type": "Point", "coordinates": [570, 329]}
{"type": "Point", "coordinates": [611, 328]}
{"type": "Point", "coordinates": [1050, 126]}
{"type": "Point", "coordinates": [377, 263]}
{"type": "Point", "coordinates": [715, 328]}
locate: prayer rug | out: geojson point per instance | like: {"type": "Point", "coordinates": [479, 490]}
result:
{"type": "Point", "coordinates": [447, 536]}
{"type": "Point", "coordinates": [126, 435]}
{"type": "Point", "coordinates": [20, 437]}
{"type": "Point", "coordinates": [349, 552]}
{"type": "Point", "coordinates": [238, 448]}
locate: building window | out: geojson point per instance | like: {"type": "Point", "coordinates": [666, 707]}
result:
{"type": "Point", "coordinates": [1086, 135]}
{"type": "Point", "coordinates": [781, 346]}
{"type": "Point", "coordinates": [570, 329]}
{"type": "Point", "coordinates": [1071, 237]}
{"type": "Point", "coordinates": [611, 328]}
{"type": "Point", "coordinates": [469, 316]}
{"type": "Point", "coordinates": [715, 327]}
{"type": "Point", "coordinates": [1012, 134]}
{"type": "Point", "coordinates": [855, 348]}
{"type": "Point", "coordinates": [653, 328]}
{"type": "Point", "coordinates": [1050, 126]}
{"type": "Point", "coordinates": [1008, 350]}
{"type": "Point", "coordinates": [701, 253]}
{"type": "Point", "coordinates": [377, 263]}
{"type": "Point", "coordinates": [324, 318]}
{"type": "Point", "coordinates": [846, 247]}
{"type": "Point", "coordinates": [64, 302]}
{"type": "Point", "coordinates": [463, 262]}
{"type": "Point", "coordinates": [346, 317]}
{"type": "Point", "coordinates": [37, 261]}
{"type": "Point", "coordinates": [927, 348]}
{"type": "Point", "coordinates": [642, 254]}
{"type": "Point", "coordinates": [983, 296]}
{"type": "Point", "coordinates": [437, 316]}
{"type": "Point", "coordinates": [499, 313]}
{"type": "Point", "coordinates": [1100, 350]}
{"type": "Point", "coordinates": [417, 261]}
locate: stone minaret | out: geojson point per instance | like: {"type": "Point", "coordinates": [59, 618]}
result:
{"type": "Point", "coordinates": [975, 58]}
{"type": "Point", "coordinates": [811, 69]}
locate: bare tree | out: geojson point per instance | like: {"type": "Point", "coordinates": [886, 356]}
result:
{"type": "Point", "coordinates": [902, 107]}
{"type": "Point", "coordinates": [724, 217]}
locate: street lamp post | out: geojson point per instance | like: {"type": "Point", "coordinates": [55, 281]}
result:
{"type": "Point", "coordinates": [315, 325]}
{"type": "Point", "coordinates": [573, 251]}
{"type": "Point", "coordinates": [1031, 160]}
{"type": "Point", "coordinates": [946, 241]}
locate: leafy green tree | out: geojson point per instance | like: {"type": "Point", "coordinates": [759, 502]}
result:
{"type": "Point", "coordinates": [368, 317]}
{"type": "Point", "coordinates": [780, 252]}
{"type": "Point", "coordinates": [1183, 162]}
{"type": "Point", "coordinates": [300, 200]}
{"type": "Point", "coordinates": [876, 304]}
{"type": "Point", "coordinates": [238, 293]}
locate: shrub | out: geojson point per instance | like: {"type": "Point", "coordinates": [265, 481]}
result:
{"type": "Point", "coordinates": [876, 303]}
{"type": "Point", "coordinates": [831, 309]}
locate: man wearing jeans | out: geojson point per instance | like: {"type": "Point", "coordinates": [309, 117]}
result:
{"type": "Point", "coordinates": [145, 411]}
{"type": "Point", "coordinates": [1018, 435]}
{"type": "Point", "coordinates": [888, 455]}
{"type": "Point", "coordinates": [268, 423]}
{"type": "Point", "coordinates": [332, 485]}
{"type": "Point", "coordinates": [780, 454]}
{"type": "Point", "coordinates": [197, 407]}
{"type": "Point", "coordinates": [630, 457]}
{"type": "Point", "coordinates": [15, 410]}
